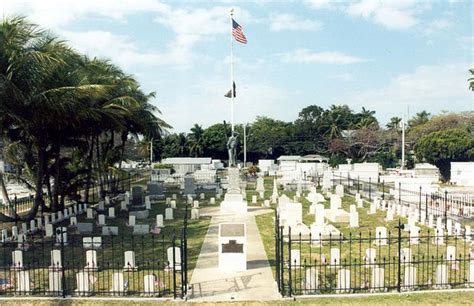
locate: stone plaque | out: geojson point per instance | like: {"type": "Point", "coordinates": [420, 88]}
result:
{"type": "Point", "coordinates": [232, 230]}
{"type": "Point", "coordinates": [232, 247]}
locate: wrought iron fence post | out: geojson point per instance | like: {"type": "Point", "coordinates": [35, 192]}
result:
{"type": "Point", "coordinates": [289, 262]}
{"type": "Point", "coordinates": [399, 272]}
{"type": "Point", "coordinates": [63, 276]}
{"type": "Point", "coordinates": [383, 190]}
{"type": "Point", "coordinates": [446, 209]}
{"type": "Point", "coordinates": [174, 266]}
{"type": "Point", "coordinates": [358, 184]}
{"type": "Point", "coordinates": [277, 251]}
{"type": "Point", "coordinates": [419, 207]}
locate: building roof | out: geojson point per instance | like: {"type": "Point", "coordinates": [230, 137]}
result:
{"type": "Point", "coordinates": [187, 160]}
{"type": "Point", "coordinates": [289, 158]}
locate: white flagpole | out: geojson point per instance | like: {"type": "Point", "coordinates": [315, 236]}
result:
{"type": "Point", "coordinates": [231, 73]}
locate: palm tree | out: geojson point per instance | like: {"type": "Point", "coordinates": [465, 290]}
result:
{"type": "Point", "coordinates": [420, 118]}
{"type": "Point", "coordinates": [196, 140]}
{"type": "Point", "coordinates": [394, 124]}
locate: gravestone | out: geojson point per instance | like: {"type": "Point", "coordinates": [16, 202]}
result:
{"type": "Point", "coordinates": [32, 225]}
{"type": "Point", "coordinates": [354, 219]}
{"type": "Point", "coordinates": [442, 275]}
{"type": "Point", "coordinates": [110, 231]}
{"type": "Point", "coordinates": [232, 248]}
{"type": "Point", "coordinates": [149, 284]}
{"type": "Point", "coordinates": [409, 278]}
{"type": "Point", "coordinates": [129, 261]}
{"type": "Point", "coordinates": [123, 206]}
{"type": "Point", "coordinates": [370, 256]}
{"type": "Point", "coordinates": [168, 213]}
{"type": "Point", "coordinates": [415, 235]}
{"type": "Point", "coordinates": [380, 235]}
{"type": "Point", "coordinates": [234, 201]}
{"type": "Point", "coordinates": [202, 196]}
{"type": "Point", "coordinates": [55, 283]}
{"type": "Point", "coordinates": [49, 231]}
{"type": "Point", "coordinates": [83, 283]}
{"type": "Point", "coordinates": [260, 188]}
{"type": "Point", "coordinates": [467, 233]}
{"type": "Point", "coordinates": [17, 260]}
{"type": "Point", "coordinates": [56, 262]}
{"type": "Point", "coordinates": [212, 201]}
{"type": "Point", "coordinates": [117, 283]}
{"type": "Point", "coordinates": [4, 235]}
{"type": "Point", "coordinates": [311, 282]}
{"type": "Point", "coordinates": [24, 228]}
{"type": "Point", "coordinates": [141, 229]}
{"type": "Point", "coordinates": [131, 220]}
{"type": "Point", "coordinates": [378, 279]}
{"type": "Point", "coordinates": [173, 204]}
{"type": "Point", "coordinates": [266, 203]}
{"type": "Point", "coordinates": [101, 220]}
{"type": "Point", "coordinates": [195, 204]}
{"type": "Point", "coordinates": [159, 221]}
{"type": "Point", "coordinates": [430, 221]}
{"type": "Point", "coordinates": [405, 255]}
{"type": "Point", "coordinates": [389, 215]}
{"type": "Point", "coordinates": [137, 196]}
{"type": "Point", "coordinates": [189, 186]}
{"type": "Point", "coordinates": [174, 253]}
{"type": "Point", "coordinates": [85, 228]}
{"type": "Point", "coordinates": [15, 232]}
{"type": "Point", "coordinates": [111, 213]}
{"type": "Point", "coordinates": [90, 213]}
{"type": "Point", "coordinates": [343, 280]}
{"type": "Point", "coordinates": [73, 221]}
{"type": "Point", "coordinates": [91, 260]}
{"type": "Point", "coordinates": [155, 190]}
{"type": "Point", "coordinates": [438, 237]}
{"type": "Point", "coordinates": [23, 282]}
{"type": "Point", "coordinates": [335, 256]}
{"type": "Point", "coordinates": [340, 190]}
{"type": "Point", "coordinates": [295, 259]}
{"type": "Point", "coordinates": [195, 214]}
{"type": "Point", "coordinates": [450, 253]}
{"type": "Point", "coordinates": [254, 199]}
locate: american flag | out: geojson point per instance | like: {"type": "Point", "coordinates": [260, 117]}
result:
{"type": "Point", "coordinates": [238, 33]}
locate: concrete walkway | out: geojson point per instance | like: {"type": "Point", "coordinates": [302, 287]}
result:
{"type": "Point", "coordinates": [208, 283]}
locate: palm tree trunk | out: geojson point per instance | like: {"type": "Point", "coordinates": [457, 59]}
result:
{"type": "Point", "coordinates": [39, 201]}
{"type": "Point", "coordinates": [56, 186]}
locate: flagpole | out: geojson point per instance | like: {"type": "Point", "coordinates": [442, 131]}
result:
{"type": "Point", "coordinates": [231, 73]}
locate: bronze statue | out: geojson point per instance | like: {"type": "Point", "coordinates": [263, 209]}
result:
{"type": "Point", "coordinates": [232, 149]}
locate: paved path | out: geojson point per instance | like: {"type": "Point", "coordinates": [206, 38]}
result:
{"type": "Point", "coordinates": [208, 283]}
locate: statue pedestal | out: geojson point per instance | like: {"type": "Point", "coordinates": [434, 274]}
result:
{"type": "Point", "coordinates": [234, 201]}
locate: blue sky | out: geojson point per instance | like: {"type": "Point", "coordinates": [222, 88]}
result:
{"type": "Point", "coordinates": [385, 55]}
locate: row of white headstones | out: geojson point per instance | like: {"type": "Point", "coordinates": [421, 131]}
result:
{"type": "Point", "coordinates": [293, 217]}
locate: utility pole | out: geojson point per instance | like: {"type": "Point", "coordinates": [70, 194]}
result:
{"type": "Point", "coordinates": [403, 143]}
{"type": "Point", "coordinates": [151, 152]}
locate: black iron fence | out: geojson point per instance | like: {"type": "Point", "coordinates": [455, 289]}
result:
{"type": "Point", "coordinates": [440, 203]}
{"type": "Point", "coordinates": [395, 260]}
{"type": "Point", "coordinates": [68, 265]}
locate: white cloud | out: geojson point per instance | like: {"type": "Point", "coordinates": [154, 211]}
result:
{"type": "Point", "coordinates": [437, 25]}
{"type": "Point", "coordinates": [430, 88]}
{"type": "Point", "coordinates": [55, 13]}
{"type": "Point", "coordinates": [321, 4]}
{"type": "Point", "coordinates": [122, 50]}
{"type": "Point", "coordinates": [393, 15]}
{"type": "Point", "coordinates": [328, 57]}
{"type": "Point", "coordinates": [280, 22]}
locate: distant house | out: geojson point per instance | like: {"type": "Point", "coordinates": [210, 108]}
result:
{"type": "Point", "coordinates": [314, 158]}
{"type": "Point", "coordinates": [288, 162]}
{"type": "Point", "coordinates": [183, 165]}
{"type": "Point", "coordinates": [462, 173]}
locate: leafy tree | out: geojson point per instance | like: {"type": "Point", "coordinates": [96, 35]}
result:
{"type": "Point", "coordinates": [215, 140]}
{"type": "Point", "coordinates": [471, 80]}
{"type": "Point", "coordinates": [442, 147]}
{"type": "Point", "coordinates": [419, 119]}
{"type": "Point", "coordinates": [196, 141]}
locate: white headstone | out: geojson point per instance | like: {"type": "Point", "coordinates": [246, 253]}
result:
{"type": "Point", "coordinates": [212, 201]}
{"type": "Point", "coordinates": [370, 256]}
{"type": "Point", "coordinates": [335, 256]}
{"type": "Point", "coordinates": [149, 284]}
{"type": "Point", "coordinates": [450, 253]}
{"type": "Point", "coordinates": [343, 280]}
{"type": "Point", "coordinates": [117, 283]}
{"type": "Point", "coordinates": [467, 233]}
{"type": "Point", "coordinates": [340, 190]}
{"type": "Point", "coordinates": [91, 260]}
{"type": "Point", "coordinates": [17, 259]}
{"type": "Point", "coordinates": [168, 213]}
{"type": "Point", "coordinates": [295, 258]}
{"type": "Point", "coordinates": [311, 281]}
{"type": "Point", "coordinates": [101, 219]}
{"type": "Point", "coordinates": [380, 235]}
{"type": "Point", "coordinates": [56, 262]}
{"type": "Point", "coordinates": [442, 275]}
{"type": "Point", "coordinates": [202, 196]}
{"type": "Point", "coordinates": [112, 212]}
{"type": "Point", "coordinates": [49, 231]}
{"type": "Point", "coordinates": [266, 203]}
{"type": "Point", "coordinates": [131, 220]}
{"type": "Point", "coordinates": [409, 277]}
{"type": "Point", "coordinates": [24, 228]}
{"type": "Point", "coordinates": [14, 232]}
{"type": "Point", "coordinates": [195, 204]}
{"type": "Point", "coordinates": [177, 257]}
{"type": "Point", "coordinates": [32, 225]}
{"type": "Point", "coordinates": [389, 215]}
{"type": "Point", "coordinates": [430, 221]}
{"type": "Point", "coordinates": [173, 204]}
{"type": "Point", "coordinates": [23, 282]}
{"type": "Point", "coordinates": [195, 214]}
{"type": "Point", "coordinates": [378, 278]}
{"type": "Point", "coordinates": [4, 235]}
{"type": "Point", "coordinates": [254, 199]}
{"type": "Point", "coordinates": [73, 221]}
{"type": "Point", "coordinates": [123, 205]}
{"type": "Point", "coordinates": [449, 226]}
{"type": "Point", "coordinates": [415, 235]}
{"type": "Point", "coordinates": [438, 237]}
{"type": "Point", "coordinates": [405, 255]}
{"type": "Point", "coordinates": [159, 221]}
{"type": "Point", "coordinates": [335, 202]}
{"type": "Point", "coordinates": [90, 213]}
{"type": "Point", "coordinates": [354, 219]}
{"type": "Point", "coordinates": [83, 283]}
{"type": "Point", "coordinates": [129, 261]}
{"type": "Point", "coordinates": [55, 282]}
